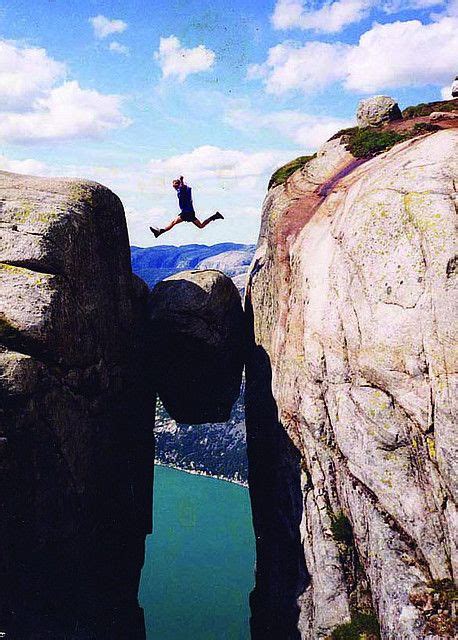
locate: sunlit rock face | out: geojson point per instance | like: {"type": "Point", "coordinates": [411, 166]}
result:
{"type": "Point", "coordinates": [76, 413]}
{"type": "Point", "coordinates": [351, 393]}
{"type": "Point", "coordinates": [197, 336]}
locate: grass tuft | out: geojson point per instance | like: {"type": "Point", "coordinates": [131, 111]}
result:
{"type": "Point", "coordinates": [341, 529]}
{"type": "Point", "coordinates": [281, 175]}
{"type": "Point", "coordinates": [363, 626]}
{"type": "Point", "coordinates": [367, 142]}
{"type": "Point", "coordinates": [425, 109]}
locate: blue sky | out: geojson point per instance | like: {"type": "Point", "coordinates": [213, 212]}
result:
{"type": "Point", "coordinates": [132, 94]}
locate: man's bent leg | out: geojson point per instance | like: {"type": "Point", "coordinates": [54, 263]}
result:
{"type": "Point", "coordinates": [215, 216]}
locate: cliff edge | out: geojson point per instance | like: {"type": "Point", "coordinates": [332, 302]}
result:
{"type": "Point", "coordinates": [351, 388]}
{"type": "Point", "coordinates": [76, 413]}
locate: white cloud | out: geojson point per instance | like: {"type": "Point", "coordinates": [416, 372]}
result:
{"type": "Point", "coordinates": [117, 47]}
{"type": "Point", "coordinates": [446, 92]}
{"type": "Point", "coordinates": [413, 54]}
{"type": "Point", "coordinates": [28, 166]}
{"type": "Point", "coordinates": [209, 162]}
{"type": "Point", "coordinates": [332, 17]}
{"type": "Point", "coordinates": [25, 73]}
{"type": "Point", "coordinates": [311, 67]}
{"type": "Point", "coordinates": [104, 27]}
{"type": "Point", "coordinates": [308, 131]}
{"type": "Point", "coordinates": [66, 112]}
{"type": "Point", "coordinates": [33, 108]}
{"type": "Point", "coordinates": [180, 62]}
{"type": "Point", "coordinates": [329, 18]}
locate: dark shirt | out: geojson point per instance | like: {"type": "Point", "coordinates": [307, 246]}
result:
{"type": "Point", "coordinates": [185, 199]}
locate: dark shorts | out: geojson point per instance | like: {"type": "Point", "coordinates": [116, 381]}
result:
{"type": "Point", "coordinates": [187, 216]}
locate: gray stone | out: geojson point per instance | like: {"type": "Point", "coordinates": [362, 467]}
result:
{"type": "Point", "coordinates": [75, 483]}
{"type": "Point", "coordinates": [377, 110]}
{"type": "Point", "coordinates": [455, 88]}
{"type": "Point", "coordinates": [198, 338]}
{"type": "Point", "coordinates": [351, 390]}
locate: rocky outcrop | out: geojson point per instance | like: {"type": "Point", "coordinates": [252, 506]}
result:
{"type": "Point", "coordinates": [197, 333]}
{"type": "Point", "coordinates": [351, 391]}
{"type": "Point", "coordinates": [77, 414]}
{"type": "Point", "coordinates": [377, 110]}
{"type": "Point", "coordinates": [455, 88]}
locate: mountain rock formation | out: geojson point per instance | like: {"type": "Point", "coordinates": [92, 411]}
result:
{"type": "Point", "coordinates": [76, 411]}
{"type": "Point", "coordinates": [351, 390]}
{"type": "Point", "coordinates": [78, 391]}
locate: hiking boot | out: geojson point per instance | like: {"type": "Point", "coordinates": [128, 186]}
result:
{"type": "Point", "coordinates": [217, 216]}
{"type": "Point", "coordinates": [157, 232]}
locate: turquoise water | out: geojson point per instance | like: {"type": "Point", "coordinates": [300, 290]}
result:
{"type": "Point", "coordinates": [199, 561]}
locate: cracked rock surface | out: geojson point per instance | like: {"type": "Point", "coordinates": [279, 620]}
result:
{"type": "Point", "coordinates": [351, 392]}
{"type": "Point", "coordinates": [76, 413]}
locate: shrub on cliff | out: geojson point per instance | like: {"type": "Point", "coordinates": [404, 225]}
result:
{"type": "Point", "coordinates": [364, 143]}
{"type": "Point", "coordinates": [425, 109]}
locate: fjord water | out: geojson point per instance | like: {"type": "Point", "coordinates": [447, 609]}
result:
{"type": "Point", "coordinates": [199, 561]}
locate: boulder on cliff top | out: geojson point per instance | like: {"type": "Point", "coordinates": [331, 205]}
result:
{"type": "Point", "coordinates": [377, 110]}
{"type": "Point", "coordinates": [197, 336]}
{"type": "Point", "coordinates": [455, 88]}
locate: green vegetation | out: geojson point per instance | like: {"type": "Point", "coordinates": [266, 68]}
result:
{"type": "Point", "coordinates": [348, 133]}
{"type": "Point", "coordinates": [441, 621]}
{"type": "Point", "coordinates": [363, 626]}
{"type": "Point", "coordinates": [341, 529]}
{"type": "Point", "coordinates": [425, 109]}
{"type": "Point", "coordinates": [281, 175]}
{"type": "Point", "coordinates": [423, 127]}
{"type": "Point", "coordinates": [367, 142]}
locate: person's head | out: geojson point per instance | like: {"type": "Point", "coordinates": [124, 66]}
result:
{"type": "Point", "coordinates": [176, 184]}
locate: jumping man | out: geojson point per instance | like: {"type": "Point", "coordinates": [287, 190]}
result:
{"type": "Point", "coordinates": [187, 213]}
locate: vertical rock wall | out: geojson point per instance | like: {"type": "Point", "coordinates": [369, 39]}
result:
{"type": "Point", "coordinates": [76, 413]}
{"type": "Point", "coordinates": [351, 390]}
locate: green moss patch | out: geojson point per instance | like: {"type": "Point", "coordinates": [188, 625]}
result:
{"type": "Point", "coordinates": [341, 529]}
{"type": "Point", "coordinates": [367, 142]}
{"type": "Point", "coordinates": [281, 175]}
{"type": "Point", "coordinates": [363, 626]}
{"type": "Point", "coordinates": [425, 109]}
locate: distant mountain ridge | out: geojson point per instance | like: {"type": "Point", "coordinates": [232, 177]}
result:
{"type": "Point", "coordinates": [153, 264]}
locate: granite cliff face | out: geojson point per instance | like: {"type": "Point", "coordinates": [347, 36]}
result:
{"type": "Point", "coordinates": [351, 385]}
{"type": "Point", "coordinates": [76, 413]}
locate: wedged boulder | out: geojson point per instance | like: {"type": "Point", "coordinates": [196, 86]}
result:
{"type": "Point", "coordinates": [377, 110]}
{"type": "Point", "coordinates": [197, 329]}
{"type": "Point", "coordinates": [76, 413]}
